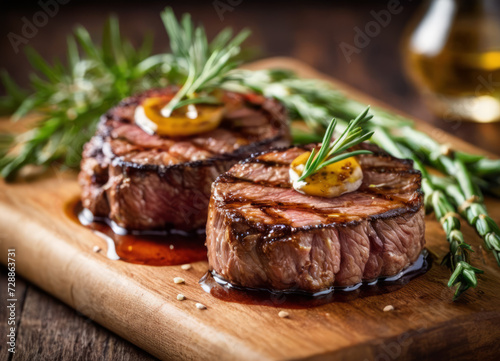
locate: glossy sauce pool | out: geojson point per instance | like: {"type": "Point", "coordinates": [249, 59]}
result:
{"type": "Point", "coordinates": [170, 248]}
{"type": "Point", "coordinates": [225, 291]}
{"type": "Point", "coordinates": [154, 248]}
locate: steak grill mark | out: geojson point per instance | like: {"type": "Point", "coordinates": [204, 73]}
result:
{"type": "Point", "coordinates": [143, 181]}
{"type": "Point", "coordinates": [263, 234]}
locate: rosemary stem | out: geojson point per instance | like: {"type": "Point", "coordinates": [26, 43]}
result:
{"type": "Point", "coordinates": [458, 259]}
{"type": "Point", "coordinates": [470, 206]}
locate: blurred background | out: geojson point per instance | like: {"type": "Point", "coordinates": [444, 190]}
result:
{"type": "Point", "coordinates": [323, 34]}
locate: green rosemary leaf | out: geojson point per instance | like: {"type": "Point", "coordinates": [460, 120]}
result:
{"type": "Point", "coordinates": [25, 107]}
{"type": "Point", "coordinates": [73, 56]}
{"type": "Point", "coordinates": [206, 63]}
{"type": "Point", "coordinates": [69, 98]}
{"type": "Point", "coordinates": [85, 41]}
{"type": "Point", "coordinates": [14, 98]}
{"type": "Point", "coordinates": [199, 100]}
{"type": "Point", "coordinates": [343, 156]}
{"type": "Point", "coordinates": [301, 137]}
{"type": "Point", "coordinates": [38, 63]}
{"type": "Point", "coordinates": [330, 153]}
{"type": "Point", "coordinates": [221, 39]}
{"type": "Point", "coordinates": [13, 90]}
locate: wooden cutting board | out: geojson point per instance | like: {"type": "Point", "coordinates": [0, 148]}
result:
{"type": "Point", "coordinates": [139, 302]}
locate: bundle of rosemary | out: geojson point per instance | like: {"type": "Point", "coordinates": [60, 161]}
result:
{"type": "Point", "coordinates": [70, 99]}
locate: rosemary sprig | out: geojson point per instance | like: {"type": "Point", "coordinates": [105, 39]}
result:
{"type": "Point", "coordinates": [205, 64]}
{"type": "Point", "coordinates": [69, 99]}
{"type": "Point", "coordinates": [470, 207]}
{"type": "Point", "coordinates": [15, 97]}
{"type": "Point", "coordinates": [461, 188]}
{"type": "Point", "coordinates": [330, 153]}
{"type": "Point", "coordinates": [485, 167]}
{"type": "Point", "coordinates": [458, 258]}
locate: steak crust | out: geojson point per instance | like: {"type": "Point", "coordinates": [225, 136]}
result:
{"type": "Point", "coordinates": [261, 233]}
{"type": "Point", "coordinates": [145, 182]}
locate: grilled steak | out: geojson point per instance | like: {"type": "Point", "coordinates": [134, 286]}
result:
{"type": "Point", "coordinates": [143, 181]}
{"type": "Point", "coordinates": [261, 233]}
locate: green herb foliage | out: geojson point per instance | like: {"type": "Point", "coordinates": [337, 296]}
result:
{"type": "Point", "coordinates": [206, 64]}
{"type": "Point", "coordinates": [69, 99]}
{"type": "Point", "coordinates": [332, 152]}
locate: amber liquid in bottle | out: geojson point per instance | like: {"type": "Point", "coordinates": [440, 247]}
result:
{"type": "Point", "coordinates": [455, 60]}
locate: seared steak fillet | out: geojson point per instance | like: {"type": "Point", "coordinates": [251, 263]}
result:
{"type": "Point", "coordinates": [261, 233]}
{"type": "Point", "coordinates": [143, 181]}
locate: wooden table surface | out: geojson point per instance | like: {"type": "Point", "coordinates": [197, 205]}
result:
{"type": "Point", "coordinates": [311, 33]}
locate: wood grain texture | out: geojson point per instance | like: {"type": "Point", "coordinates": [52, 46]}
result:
{"type": "Point", "coordinates": [47, 330]}
{"type": "Point", "coordinates": [139, 302]}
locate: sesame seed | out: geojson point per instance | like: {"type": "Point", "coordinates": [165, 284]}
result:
{"type": "Point", "coordinates": [96, 249]}
{"type": "Point", "coordinates": [178, 280]}
{"type": "Point", "coordinates": [171, 246]}
{"type": "Point", "coordinates": [283, 314]}
{"type": "Point", "coordinates": [388, 308]}
{"type": "Point", "coordinates": [186, 267]}
{"type": "Point", "coordinates": [181, 297]}
{"type": "Point", "coordinates": [201, 306]}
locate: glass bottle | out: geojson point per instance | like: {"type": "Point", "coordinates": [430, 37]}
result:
{"type": "Point", "coordinates": [452, 53]}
